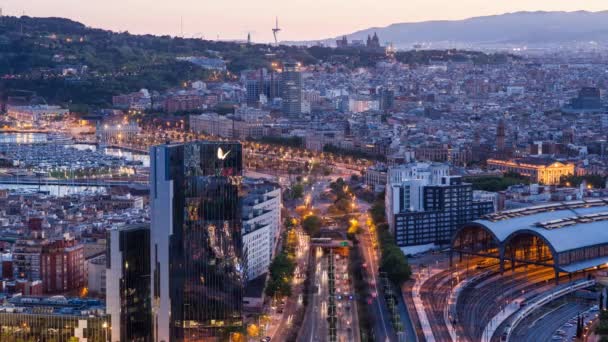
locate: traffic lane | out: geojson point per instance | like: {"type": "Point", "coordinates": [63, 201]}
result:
{"type": "Point", "coordinates": [382, 326]}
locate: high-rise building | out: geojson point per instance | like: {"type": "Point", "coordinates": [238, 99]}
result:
{"type": "Point", "coordinates": [387, 99]}
{"type": "Point", "coordinates": [291, 89]}
{"type": "Point", "coordinates": [261, 209]}
{"type": "Point", "coordinates": [500, 135]}
{"type": "Point", "coordinates": [195, 240]}
{"type": "Point", "coordinates": [252, 86]}
{"type": "Point", "coordinates": [128, 283]}
{"type": "Point", "coordinates": [425, 205]}
{"type": "Point", "coordinates": [272, 85]}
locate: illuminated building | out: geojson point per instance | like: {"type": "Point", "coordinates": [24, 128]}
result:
{"type": "Point", "coordinates": [425, 205]}
{"type": "Point", "coordinates": [33, 114]}
{"type": "Point", "coordinates": [54, 319]}
{"type": "Point", "coordinates": [541, 170]}
{"type": "Point", "coordinates": [197, 272]}
{"type": "Point", "coordinates": [116, 133]}
{"type": "Point", "coordinates": [360, 104]}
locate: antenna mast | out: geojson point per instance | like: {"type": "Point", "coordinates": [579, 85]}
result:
{"type": "Point", "coordinates": [275, 31]}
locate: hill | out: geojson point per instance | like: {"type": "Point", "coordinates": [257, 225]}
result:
{"type": "Point", "coordinates": [35, 54]}
{"type": "Point", "coordinates": [520, 28]}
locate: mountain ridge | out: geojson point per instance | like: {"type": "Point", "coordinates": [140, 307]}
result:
{"type": "Point", "coordinates": [522, 27]}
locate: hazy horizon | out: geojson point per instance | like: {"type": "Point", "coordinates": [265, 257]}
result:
{"type": "Point", "coordinates": [298, 19]}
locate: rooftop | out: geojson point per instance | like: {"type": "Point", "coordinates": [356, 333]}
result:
{"type": "Point", "coordinates": [55, 305]}
{"type": "Point", "coordinates": [565, 226]}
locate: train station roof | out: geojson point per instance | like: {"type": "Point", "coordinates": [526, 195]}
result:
{"type": "Point", "coordinates": [564, 226]}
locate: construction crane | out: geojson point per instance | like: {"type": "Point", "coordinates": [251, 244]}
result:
{"type": "Point", "coordinates": [275, 31]}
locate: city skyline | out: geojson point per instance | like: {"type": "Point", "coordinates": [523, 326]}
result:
{"type": "Point", "coordinates": [297, 19]}
{"type": "Point", "coordinates": [443, 180]}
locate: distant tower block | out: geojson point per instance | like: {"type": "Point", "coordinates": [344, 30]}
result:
{"type": "Point", "coordinates": [500, 135]}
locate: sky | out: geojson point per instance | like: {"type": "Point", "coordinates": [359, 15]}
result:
{"type": "Point", "coordinates": [298, 19]}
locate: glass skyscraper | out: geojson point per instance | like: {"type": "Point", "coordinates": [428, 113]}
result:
{"type": "Point", "coordinates": [128, 283]}
{"type": "Point", "coordinates": [291, 89]}
{"type": "Point", "coordinates": [196, 248]}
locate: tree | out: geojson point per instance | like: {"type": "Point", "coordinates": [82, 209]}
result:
{"type": "Point", "coordinates": [312, 225]}
{"type": "Point", "coordinates": [237, 337]}
{"type": "Point", "coordinates": [253, 330]}
{"type": "Point", "coordinates": [289, 222]}
{"type": "Point", "coordinates": [353, 228]}
{"type": "Point", "coordinates": [297, 191]}
{"type": "Point", "coordinates": [377, 211]}
{"type": "Point", "coordinates": [281, 271]}
{"type": "Point", "coordinates": [393, 261]}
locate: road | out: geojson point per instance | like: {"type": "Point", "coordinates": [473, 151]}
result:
{"type": "Point", "coordinates": [281, 322]}
{"type": "Point", "coordinates": [383, 329]}
{"type": "Point", "coordinates": [314, 328]}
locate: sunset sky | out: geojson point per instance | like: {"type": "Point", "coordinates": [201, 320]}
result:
{"type": "Point", "coordinates": [299, 19]}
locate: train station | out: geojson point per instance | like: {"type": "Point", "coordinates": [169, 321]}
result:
{"type": "Point", "coordinates": [567, 236]}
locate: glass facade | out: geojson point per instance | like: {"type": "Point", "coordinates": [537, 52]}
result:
{"type": "Point", "coordinates": [206, 276]}
{"type": "Point", "coordinates": [133, 305]}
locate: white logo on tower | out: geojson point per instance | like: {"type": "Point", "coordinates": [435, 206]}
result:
{"type": "Point", "coordinates": [221, 155]}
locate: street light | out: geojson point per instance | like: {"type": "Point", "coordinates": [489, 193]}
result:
{"type": "Point", "coordinates": [105, 331]}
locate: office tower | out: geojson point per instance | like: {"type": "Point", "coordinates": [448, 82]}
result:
{"type": "Point", "coordinates": [291, 89]}
{"type": "Point", "coordinates": [253, 91]}
{"type": "Point", "coordinates": [568, 136]}
{"type": "Point", "coordinates": [387, 98]}
{"type": "Point", "coordinates": [272, 85]}
{"type": "Point", "coordinates": [128, 283]}
{"type": "Point", "coordinates": [425, 205]}
{"type": "Point", "coordinates": [195, 240]}
{"type": "Point", "coordinates": [500, 135]}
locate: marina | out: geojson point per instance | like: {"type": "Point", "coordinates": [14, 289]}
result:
{"type": "Point", "coordinates": [57, 165]}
